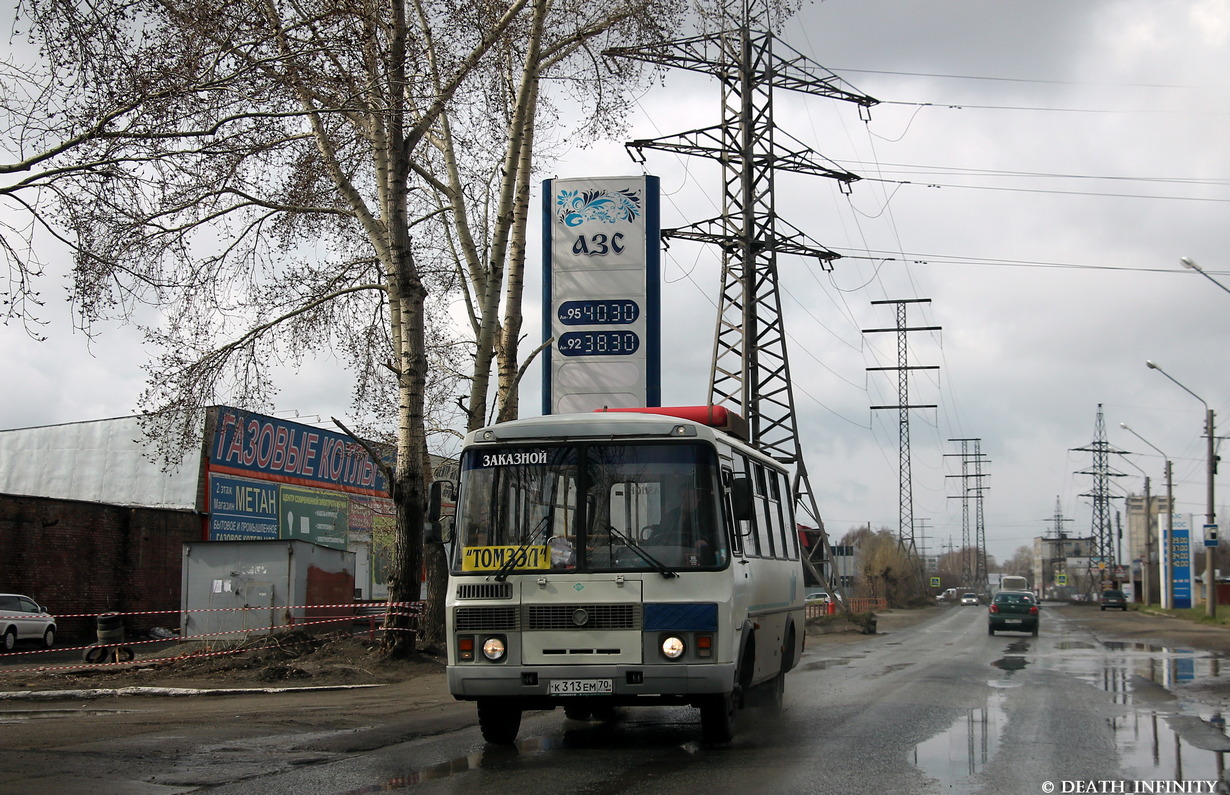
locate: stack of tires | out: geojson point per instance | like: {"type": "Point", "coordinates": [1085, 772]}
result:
{"type": "Point", "coordinates": [110, 641]}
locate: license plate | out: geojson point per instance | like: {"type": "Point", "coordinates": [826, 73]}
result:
{"type": "Point", "coordinates": [1012, 621]}
{"type": "Point", "coordinates": [580, 687]}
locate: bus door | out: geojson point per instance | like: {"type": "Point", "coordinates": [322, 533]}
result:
{"type": "Point", "coordinates": [742, 539]}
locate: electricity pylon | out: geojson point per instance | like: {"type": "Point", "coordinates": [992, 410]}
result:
{"type": "Point", "coordinates": [1103, 554]}
{"type": "Point", "coordinates": [750, 367]}
{"type": "Point", "coordinates": [973, 555]}
{"type": "Point", "coordinates": [905, 480]}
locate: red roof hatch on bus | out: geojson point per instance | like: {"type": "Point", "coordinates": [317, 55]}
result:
{"type": "Point", "coordinates": [718, 417]}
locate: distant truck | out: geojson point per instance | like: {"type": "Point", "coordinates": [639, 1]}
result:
{"type": "Point", "coordinates": [1013, 583]}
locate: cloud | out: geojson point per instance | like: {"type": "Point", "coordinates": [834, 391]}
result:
{"type": "Point", "coordinates": [1036, 170]}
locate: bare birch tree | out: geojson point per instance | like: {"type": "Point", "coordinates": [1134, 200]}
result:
{"type": "Point", "coordinates": [246, 169]}
{"type": "Point", "coordinates": [485, 189]}
{"type": "Point", "coordinates": [249, 183]}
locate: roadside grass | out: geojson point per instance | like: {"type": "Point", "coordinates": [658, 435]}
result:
{"type": "Point", "coordinates": [1197, 614]}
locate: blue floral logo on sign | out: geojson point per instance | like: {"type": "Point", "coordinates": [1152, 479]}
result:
{"type": "Point", "coordinates": [575, 207]}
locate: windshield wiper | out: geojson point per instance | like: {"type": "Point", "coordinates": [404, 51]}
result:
{"type": "Point", "coordinates": [511, 563]}
{"type": "Point", "coordinates": [645, 556]}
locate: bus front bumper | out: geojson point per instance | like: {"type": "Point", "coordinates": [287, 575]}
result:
{"type": "Point", "coordinates": [627, 683]}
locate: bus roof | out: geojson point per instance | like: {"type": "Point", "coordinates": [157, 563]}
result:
{"type": "Point", "coordinates": [630, 423]}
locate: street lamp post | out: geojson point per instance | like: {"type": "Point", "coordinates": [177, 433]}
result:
{"type": "Point", "coordinates": [1189, 263]}
{"type": "Point", "coordinates": [1210, 516]}
{"type": "Point", "coordinates": [1166, 564]}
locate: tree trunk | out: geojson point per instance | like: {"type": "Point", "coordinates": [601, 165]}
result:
{"type": "Point", "coordinates": [523, 160]}
{"type": "Point", "coordinates": [400, 627]}
{"type": "Point", "coordinates": [431, 626]}
{"type": "Point", "coordinates": [435, 564]}
{"type": "Point", "coordinates": [509, 401]}
{"type": "Point", "coordinates": [407, 300]}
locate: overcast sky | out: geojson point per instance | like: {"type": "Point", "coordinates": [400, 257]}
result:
{"type": "Point", "coordinates": [1036, 170]}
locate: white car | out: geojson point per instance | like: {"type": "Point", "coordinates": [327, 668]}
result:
{"type": "Point", "coordinates": [969, 599]}
{"type": "Point", "coordinates": [21, 618]}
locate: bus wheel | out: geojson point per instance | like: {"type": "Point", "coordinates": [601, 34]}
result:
{"type": "Point", "coordinates": [499, 720]}
{"type": "Point", "coordinates": [717, 718]}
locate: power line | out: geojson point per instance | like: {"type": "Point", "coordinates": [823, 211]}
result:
{"type": "Point", "coordinates": [952, 259]}
{"type": "Point", "coordinates": [1044, 109]}
{"type": "Point", "coordinates": [1051, 191]}
{"type": "Point", "coordinates": [968, 170]}
{"type": "Point", "coordinates": [1000, 79]}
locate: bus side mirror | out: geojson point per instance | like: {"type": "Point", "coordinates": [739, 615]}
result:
{"type": "Point", "coordinates": [741, 498]}
{"type": "Point", "coordinates": [441, 508]}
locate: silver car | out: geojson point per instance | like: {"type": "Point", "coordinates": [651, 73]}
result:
{"type": "Point", "coordinates": [21, 618]}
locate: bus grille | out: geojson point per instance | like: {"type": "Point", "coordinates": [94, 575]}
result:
{"type": "Point", "coordinates": [485, 619]}
{"type": "Point", "coordinates": [621, 616]}
{"type": "Point", "coordinates": [485, 590]}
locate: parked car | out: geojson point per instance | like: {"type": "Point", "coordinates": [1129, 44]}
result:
{"type": "Point", "coordinates": [21, 618]}
{"type": "Point", "coordinates": [1016, 611]}
{"type": "Point", "coordinates": [969, 599]}
{"type": "Point", "coordinates": [1114, 599]}
{"type": "Point", "coordinates": [816, 598]}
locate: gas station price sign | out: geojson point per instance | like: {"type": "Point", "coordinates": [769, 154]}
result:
{"type": "Point", "coordinates": [601, 293]}
{"type": "Point", "coordinates": [598, 313]}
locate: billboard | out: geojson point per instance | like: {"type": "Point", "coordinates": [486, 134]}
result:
{"type": "Point", "coordinates": [601, 293]}
{"type": "Point", "coordinates": [242, 510]}
{"type": "Point", "coordinates": [315, 515]}
{"type": "Point", "coordinates": [274, 479]}
{"type": "Point", "coordinates": [251, 445]}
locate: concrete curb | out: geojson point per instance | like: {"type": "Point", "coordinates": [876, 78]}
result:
{"type": "Point", "coordinates": [110, 692]}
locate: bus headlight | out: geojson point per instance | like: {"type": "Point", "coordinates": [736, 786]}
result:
{"type": "Point", "coordinates": [493, 649]}
{"type": "Point", "coordinates": [672, 647]}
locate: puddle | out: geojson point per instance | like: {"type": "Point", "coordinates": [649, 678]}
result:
{"type": "Point", "coordinates": [965, 747]}
{"type": "Point", "coordinates": [1115, 645]}
{"type": "Point", "coordinates": [1163, 666]}
{"type": "Point", "coordinates": [497, 760]}
{"type": "Point", "coordinates": [1160, 738]}
{"type": "Point", "coordinates": [820, 665]}
{"type": "Point", "coordinates": [1014, 658]}
{"type": "Point", "coordinates": [1179, 667]}
{"type": "Point", "coordinates": [1011, 663]}
{"type": "Point", "coordinates": [490, 757]}
{"type": "Point", "coordinates": [1176, 748]}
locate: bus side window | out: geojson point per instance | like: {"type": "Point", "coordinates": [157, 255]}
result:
{"type": "Point", "coordinates": [763, 512]}
{"type": "Point", "coordinates": [737, 504]}
{"type": "Point", "coordinates": [742, 485]}
{"type": "Point", "coordinates": [788, 522]}
{"type": "Point", "coordinates": [778, 507]}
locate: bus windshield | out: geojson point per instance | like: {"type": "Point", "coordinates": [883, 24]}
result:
{"type": "Point", "coordinates": [590, 507]}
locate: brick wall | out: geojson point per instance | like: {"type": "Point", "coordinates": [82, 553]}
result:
{"type": "Point", "coordinates": [81, 557]}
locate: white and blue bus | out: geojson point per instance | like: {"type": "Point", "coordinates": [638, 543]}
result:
{"type": "Point", "coordinates": [619, 559]}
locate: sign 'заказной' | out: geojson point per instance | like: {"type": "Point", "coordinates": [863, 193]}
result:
{"type": "Point", "coordinates": [601, 293]}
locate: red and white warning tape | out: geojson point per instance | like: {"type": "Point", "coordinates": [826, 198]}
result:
{"type": "Point", "coordinates": [406, 609]}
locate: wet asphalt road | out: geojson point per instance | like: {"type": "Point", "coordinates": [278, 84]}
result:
{"type": "Point", "coordinates": [940, 707]}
